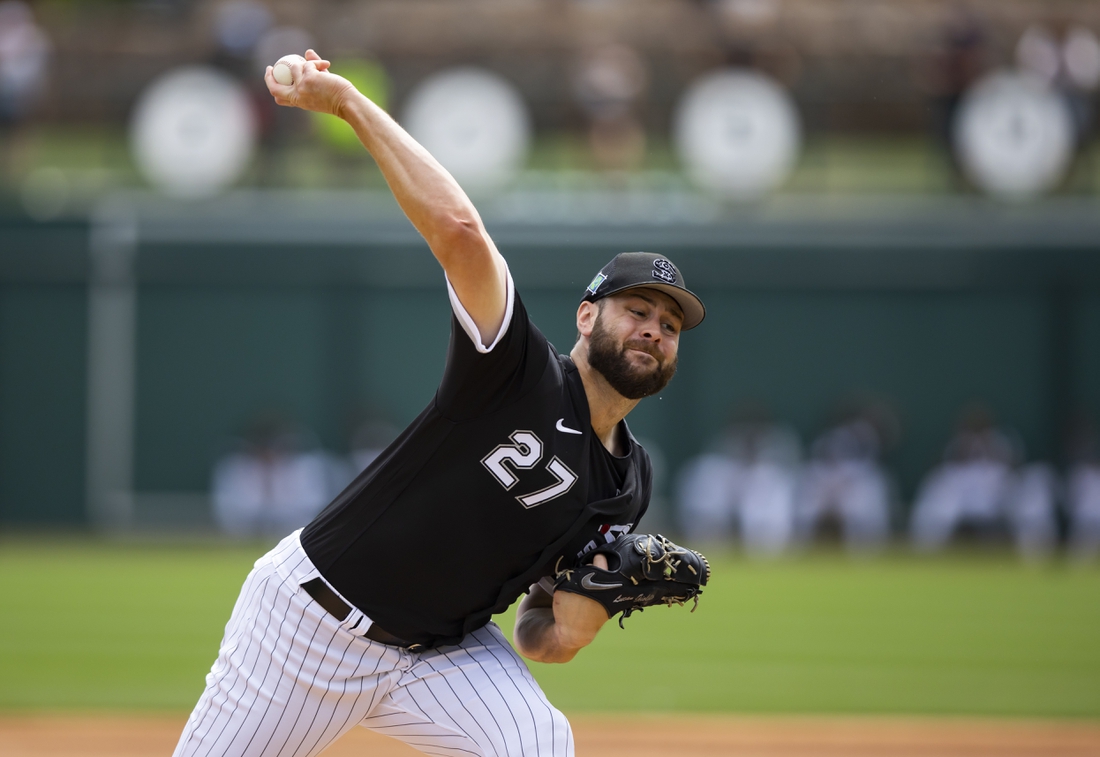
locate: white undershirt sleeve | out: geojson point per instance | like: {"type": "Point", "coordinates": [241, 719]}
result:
{"type": "Point", "coordinates": [468, 324]}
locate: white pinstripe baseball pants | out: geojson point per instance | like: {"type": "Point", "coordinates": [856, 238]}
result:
{"type": "Point", "coordinates": [290, 679]}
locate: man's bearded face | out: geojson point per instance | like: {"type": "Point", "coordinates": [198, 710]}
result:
{"type": "Point", "coordinates": [610, 358]}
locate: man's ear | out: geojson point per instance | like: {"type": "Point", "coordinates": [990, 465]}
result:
{"type": "Point", "coordinates": [586, 318]}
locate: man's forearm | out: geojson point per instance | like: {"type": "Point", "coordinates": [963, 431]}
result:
{"type": "Point", "coordinates": [553, 628]}
{"type": "Point", "coordinates": [536, 639]}
{"type": "Point", "coordinates": [426, 192]}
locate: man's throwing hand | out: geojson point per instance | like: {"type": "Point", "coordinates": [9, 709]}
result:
{"type": "Point", "coordinates": [314, 87]}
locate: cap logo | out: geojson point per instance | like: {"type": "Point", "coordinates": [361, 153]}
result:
{"type": "Point", "coordinates": [664, 271]}
{"type": "Point", "coordinates": [600, 278]}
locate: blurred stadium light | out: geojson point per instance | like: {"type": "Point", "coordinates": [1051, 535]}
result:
{"type": "Point", "coordinates": [474, 122]}
{"type": "Point", "coordinates": [737, 132]}
{"type": "Point", "coordinates": [193, 132]}
{"type": "Point", "coordinates": [1014, 135]}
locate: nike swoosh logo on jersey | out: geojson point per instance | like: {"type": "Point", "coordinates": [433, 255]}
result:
{"type": "Point", "coordinates": [588, 583]}
{"type": "Point", "coordinates": [562, 427]}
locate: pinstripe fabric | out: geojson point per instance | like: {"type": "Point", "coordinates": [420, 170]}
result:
{"type": "Point", "coordinates": [290, 679]}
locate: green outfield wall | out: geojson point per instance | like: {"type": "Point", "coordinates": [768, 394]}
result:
{"type": "Point", "coordinates": [326, 312]}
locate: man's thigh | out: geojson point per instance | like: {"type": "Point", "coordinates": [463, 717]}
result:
{"type": "Point", "coordinates": [477, 697]}
{"type": "Point", "coordinates": [289, 679]}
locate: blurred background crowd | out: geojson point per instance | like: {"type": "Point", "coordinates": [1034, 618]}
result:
{"type": "Point", "coordinates": [757, 482]}
{"type": "Point", "coordinates": [740, 96]}
{"type": "Point", "coordinates": [959, 141]}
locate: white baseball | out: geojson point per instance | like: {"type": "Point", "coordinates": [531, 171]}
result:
{"type": "Point", "coordinates": [281, 69]}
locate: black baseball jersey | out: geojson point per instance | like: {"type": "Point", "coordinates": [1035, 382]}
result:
{"type": "Point", "coordinates": [494, 482]}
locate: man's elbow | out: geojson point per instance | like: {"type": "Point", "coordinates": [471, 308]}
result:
{"type": "Point", "coordinates": [457, 236]}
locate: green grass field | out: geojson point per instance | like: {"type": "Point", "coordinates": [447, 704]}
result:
{"type": "Point", "coordinates": [129, 626]}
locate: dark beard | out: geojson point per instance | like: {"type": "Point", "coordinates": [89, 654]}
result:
{"type": "Point", "coordinates": [610, 360]}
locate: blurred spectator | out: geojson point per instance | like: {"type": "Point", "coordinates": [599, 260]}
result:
{"type": "Point", "coordinates": [275, 481]}
{"type": "Point", "coordinates": [239, 26]}
{"type": "Point", "coordinates": [706, 496]}
{"type": "Point", "coordinates": [845, 480]}
{"type": "Point", "coordinates": [970, 487]}
{"type": "Point", "coordinates": [1083, 495]}
{"type": "Point", "coordinates": [746, 482]}
{"type": "Point", "coordinates": [1032, 509]}
{"type": "Point", "coordinates": [24, 56]}
{"type": "Point", "coordinates": [609, 85]}
{"type": "Point", "coordinates": [747, 34]}
{"type": "Point", "coordinates": [1071, 65]}
{"type": "Point", "coordinates": [958, 61]}
{"type": "Point", "coordinates": [980, 487]}
{"type": "Point", "coordinates": [1081, 55]}
{"type": "Point", "coordinates": [1037, 51]}
{"type": "Point", "coordinates": [24, 59]}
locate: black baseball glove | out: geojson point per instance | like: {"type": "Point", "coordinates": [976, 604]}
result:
{"type": "Point", "coordinates": [643, 570]}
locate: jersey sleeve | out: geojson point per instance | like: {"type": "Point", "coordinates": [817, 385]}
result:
{"type": "Point", "coordinates": [464, 319]}
{"type": "Point", "coordinates": [482, 377]}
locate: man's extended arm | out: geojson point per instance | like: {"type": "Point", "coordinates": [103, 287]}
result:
{"type": "Point", "coordinates": [428, 194]}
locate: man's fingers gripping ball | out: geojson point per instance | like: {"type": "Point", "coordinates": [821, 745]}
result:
{"type": "Point", "coordinates": [642, 570]}
{"type": "Point", "coordinates": [288, 68]}
{"type": "Point", "coordinates": [294, 81]}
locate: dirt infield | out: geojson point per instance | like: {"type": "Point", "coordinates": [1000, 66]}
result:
{"type": "Point", "coordinates": [619, 736]}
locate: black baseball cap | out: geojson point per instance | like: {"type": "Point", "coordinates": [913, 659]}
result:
{"type": "Point", "coordinates": [631, 270]}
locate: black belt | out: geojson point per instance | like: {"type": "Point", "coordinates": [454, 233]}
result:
{"type": "Point", "coordinates": [339, 609]}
